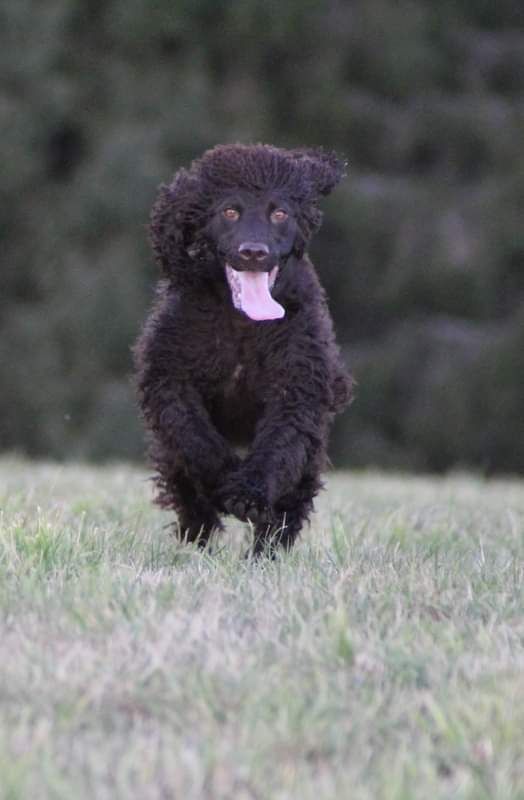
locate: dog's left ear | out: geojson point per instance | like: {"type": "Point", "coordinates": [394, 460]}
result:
{"type": "Point", "coordinates": [323, 169]}
{"type": "Point", "coordinates": [319, 173]}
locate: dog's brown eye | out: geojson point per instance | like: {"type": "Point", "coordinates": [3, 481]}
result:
{"type": "Point", "coordinates": [279, 215]}
{"type": "Point", "coordinates": [231, 213]}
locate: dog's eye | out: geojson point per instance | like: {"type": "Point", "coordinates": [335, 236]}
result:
{"type": "Point", "coordinates": [279, 215]}
{"type": "Point", "coordinates": [231, 214]}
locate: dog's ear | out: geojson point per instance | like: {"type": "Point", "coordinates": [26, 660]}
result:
{"type": "Point", "coordinates": [174, 219]}
{"type": "Point", "coordinates": [324, 170]}
{"type": "Point", "coordinates": [319, 173]}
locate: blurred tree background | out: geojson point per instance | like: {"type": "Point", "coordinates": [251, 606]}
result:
{"type": "Point", "coordinates": [422, 250]}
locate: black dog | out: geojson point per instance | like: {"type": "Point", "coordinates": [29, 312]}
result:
{"type": "Point", "coordinates": [239, 348]}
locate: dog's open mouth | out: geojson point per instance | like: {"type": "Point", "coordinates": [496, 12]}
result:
{"type": "Point", "coordinates": [251, 293]}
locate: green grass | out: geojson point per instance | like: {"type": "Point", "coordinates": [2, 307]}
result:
{"type": "Point", "coordinates": [382, 658]}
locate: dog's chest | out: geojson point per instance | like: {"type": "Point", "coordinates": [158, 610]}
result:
{"type": "Point", "coordinates": [235, 357]}
{"type": "Point", "coordinates": [241, 386]}
{"type": "Point", "coordinates": [237, 404]}
{"type": "Point", "coordinates": [234, 380]}
{"type": "Point", "coordinates": [232, 375]}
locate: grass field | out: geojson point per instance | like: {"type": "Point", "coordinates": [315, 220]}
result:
{"type": "Point", "coordinates": [383, 658]}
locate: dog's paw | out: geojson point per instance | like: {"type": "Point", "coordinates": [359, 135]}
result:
{"type": "Point", "coordinates": [246, 502]}
{"type": "Point", "coordinates": [248, 509]}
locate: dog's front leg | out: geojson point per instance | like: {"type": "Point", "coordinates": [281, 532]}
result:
{"type": "Point", "coordinates": [288, 439]}
{"type": "Point", "coordinates": [184, 432]}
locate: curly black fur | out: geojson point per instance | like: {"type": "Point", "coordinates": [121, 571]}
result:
{"type": "Point", "coordinates": [209, 377]}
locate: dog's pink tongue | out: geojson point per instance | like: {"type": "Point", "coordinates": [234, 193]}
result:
{"type": "Point", "coordinates": [255, 297]}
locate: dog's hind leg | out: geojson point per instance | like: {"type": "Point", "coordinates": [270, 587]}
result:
{"type": "Point", "coordinates": [195, 527]}
{"type": "Point", "coordinates": [197, 516]}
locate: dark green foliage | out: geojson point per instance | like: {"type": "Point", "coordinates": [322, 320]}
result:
{"type": "Point", "coordinates": [422, 251]}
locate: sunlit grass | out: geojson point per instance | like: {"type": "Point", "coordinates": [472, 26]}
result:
{"type": "Point", "coordinates": [382, 658]}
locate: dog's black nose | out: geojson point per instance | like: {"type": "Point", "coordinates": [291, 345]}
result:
{"type": "Point", "coordinates": [253, 251]}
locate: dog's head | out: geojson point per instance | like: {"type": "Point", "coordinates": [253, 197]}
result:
{"type": "Point", "coordinates": [237, 215]}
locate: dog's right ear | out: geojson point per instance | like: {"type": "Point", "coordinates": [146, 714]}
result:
{"type": "Point", "coordinates": [174, 219]}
